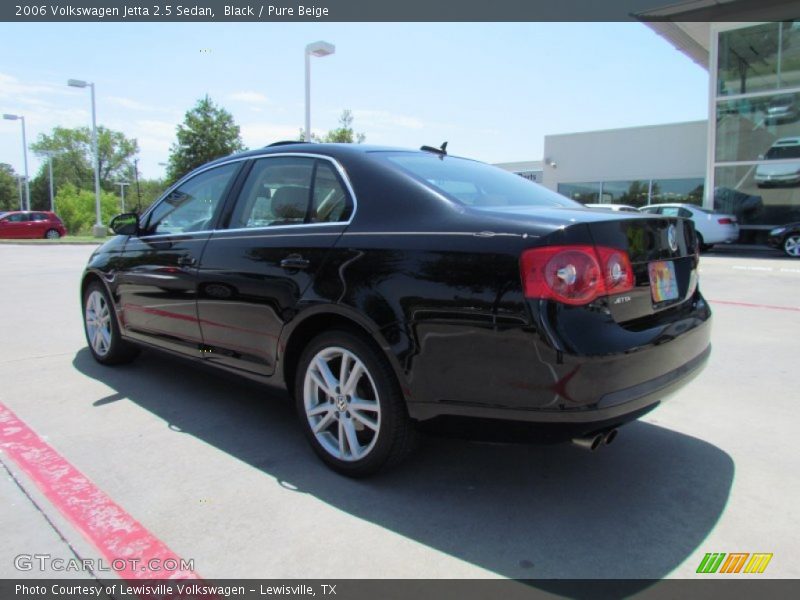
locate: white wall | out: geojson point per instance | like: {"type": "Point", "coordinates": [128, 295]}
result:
{"type": "Point", "coordinates": [674, 150]}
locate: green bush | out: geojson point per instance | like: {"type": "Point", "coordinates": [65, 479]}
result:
{"type": "Point", "coordinates": [77, 208]}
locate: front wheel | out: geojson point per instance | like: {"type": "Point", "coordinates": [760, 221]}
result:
{"type": "Point", "coordinates": [350, 405]}
{"type": "Point", "coordinates": [791, 245]}
{"type": "Point", "coordinates": [100, 325]}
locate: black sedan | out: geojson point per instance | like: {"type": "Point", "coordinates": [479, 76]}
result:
{"type": "Point", "coordinates": [786, 238]}
{"type": "Point", "coordinates": [386, 287]}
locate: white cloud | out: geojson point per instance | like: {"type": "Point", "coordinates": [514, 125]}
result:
{"type": "Point", "coordinates": [249, 97]}
{"type": "Point", "coordinates": [257, 135]}
{"type": "Point", "coordinates": [130, 104]}
{"type": "Point", "coordinates": [383, 119]}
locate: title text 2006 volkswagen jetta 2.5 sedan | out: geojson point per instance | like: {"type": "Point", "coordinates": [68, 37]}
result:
{"type": "Point", "coordinates": [386, 287]}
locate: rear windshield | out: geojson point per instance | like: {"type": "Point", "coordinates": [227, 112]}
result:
{"type": "Point", "coordinates": [474, 183]}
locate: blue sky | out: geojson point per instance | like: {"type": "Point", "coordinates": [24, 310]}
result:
{"type": "Point", "coordinates": [492, 90]}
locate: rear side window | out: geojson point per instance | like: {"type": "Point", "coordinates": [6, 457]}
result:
{"type": "Point", "coordinates": [39, 217]}
{"type": "Point", "coordinates": [330, 203]}
{"type": "Point", "coordinates": [277, 192]}
{"type": "Point", "coordinates": [291, 190]}
{"type": "Point", "coordinates": [473, 183]}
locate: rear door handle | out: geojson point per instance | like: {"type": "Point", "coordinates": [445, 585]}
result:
{"type": "Point", "coordinates": [295, 261]}
{"type": "Point", "coordinates": [187, 261]}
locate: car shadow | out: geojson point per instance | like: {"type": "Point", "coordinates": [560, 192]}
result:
{"type": "Point", "coordinates": [634, 510]}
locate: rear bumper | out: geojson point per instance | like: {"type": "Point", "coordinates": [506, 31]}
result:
{"type": "Point", "coordinates": [613, 409]}
{"type": "Point", "coordinates": [521, 380]}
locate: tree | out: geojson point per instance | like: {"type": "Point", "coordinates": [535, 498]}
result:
{"type": "Point", "coordinates": [77, 208]}
{"type": "Point", "coordinates": [9, 191]}
{"type": "Point", "coordinates": [342, 134]}
{"type": "Point", "coordinates": [207, 132]}
{"type": "Point", "coordinates": [73, 160]}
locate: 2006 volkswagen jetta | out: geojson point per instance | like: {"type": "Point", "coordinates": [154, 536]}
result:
{"type": "Point", "coordinates": [385, 287]}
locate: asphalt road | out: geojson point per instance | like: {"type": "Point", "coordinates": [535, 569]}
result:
{"type": "Point", "coordinates": [219, 471]}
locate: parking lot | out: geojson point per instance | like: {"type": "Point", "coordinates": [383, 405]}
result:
{"type": "Point", "coordinates": [219, 472]}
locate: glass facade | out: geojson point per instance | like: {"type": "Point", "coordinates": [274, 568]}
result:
{"type": "Point", "coordinates": [756, 158]}
{"type": "Point", "coordinates": [639, 192]}
{"type": "Point", "coordinates": [584, 193]}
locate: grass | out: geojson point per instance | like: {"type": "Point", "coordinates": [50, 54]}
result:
{"type": "Point", "coordinates": [67, 239]}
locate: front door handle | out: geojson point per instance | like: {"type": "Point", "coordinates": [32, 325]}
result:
{"type": "Point", "coordinates": [295, 261]}
{"type": "Point", "coordinates": [187, 261]}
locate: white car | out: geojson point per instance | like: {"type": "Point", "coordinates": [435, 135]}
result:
{"type": "Point", "coordinates": [712, 227]}
{"type": "Point", "coordinates": [616, 207]}
{"type": "Point", "coordinates": [782, 173]}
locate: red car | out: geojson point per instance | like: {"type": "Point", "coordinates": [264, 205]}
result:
{"type": "Point", "coordinates": [31, 224]}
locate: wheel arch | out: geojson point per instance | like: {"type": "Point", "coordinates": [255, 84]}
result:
{"type": "Point", "coordinates": [327, 318]}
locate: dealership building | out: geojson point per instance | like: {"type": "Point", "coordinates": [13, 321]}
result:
{"type": "Point", "coordinates": [745, 159]}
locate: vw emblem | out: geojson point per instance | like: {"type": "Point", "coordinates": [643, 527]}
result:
{"type": "Point", "coordinates": [672, 238]}
{"type": "Point", "coordinates": [341, 403]}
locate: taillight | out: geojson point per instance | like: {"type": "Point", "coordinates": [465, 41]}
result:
{"type": "Point", "coordinates": [725, 221]}
{"type": "Point", "coordinates": [575, 274]}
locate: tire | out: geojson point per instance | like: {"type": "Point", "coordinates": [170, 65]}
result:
{"type": "Point", "coordinates": [355, 442]}
{"type": "Point", "coordinates": [702, 245]}
{"type": "Point", "coordinates": [101, 328]}
{"type": "Point", "coordinates": [52, 234]}
{"type": "Point", "coordinates": [791, 245]}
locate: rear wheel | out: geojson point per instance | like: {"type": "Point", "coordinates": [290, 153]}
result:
{"type": "Point", "coordinates": [791, 245]}
{"type": "Point", "coordinates": [702, 245]}
{"type": "Point", "coordinates": [102, 331]}
{"type": "Point", "coordinates": [351, 406]}
{"type": "Point", "coordinates": [52, 234]}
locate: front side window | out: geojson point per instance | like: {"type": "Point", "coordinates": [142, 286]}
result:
{"type": "Point", "coordinates": [191, 206]}
{"type": "Point", "coordinates": [17, 218]}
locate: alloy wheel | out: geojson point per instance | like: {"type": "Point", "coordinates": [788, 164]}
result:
{"type": "Point", "coordinates": [791, 245]}
{"type": "Point", "coordinates": [341, 404]}
{"type": "Point", "coordinates": [98, 323]}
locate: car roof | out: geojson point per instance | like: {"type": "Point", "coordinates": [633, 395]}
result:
{"type": "Point", "coordinates": [334, 150]}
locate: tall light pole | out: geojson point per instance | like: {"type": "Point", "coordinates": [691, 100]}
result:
{"type": "Point", "coordinates": [21, 200]}
{"type": "Point", "coordinates": [122, 185]}
{"type": "Point", "coordinates": [98, 229]}
{"type": "Point", "coordinates": [50, 154]}
{"type": "Point", "coordinates": [8, 117]}
{"type": "Point", "coordinates": [318, 49]}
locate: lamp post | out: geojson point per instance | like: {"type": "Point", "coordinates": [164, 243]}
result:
{"type": "Point", "coordinates": [50, 154]}
{"type": "Point", "coordinates": [21, 199]}
{"type": "Point", "coordinates": [318, 49]}
{"type": "Point", "coordinates": [8, 117]}
{"type": "Point", "coordinates": [122, 185]}
{"type": "Point", "coordinates": [98, 230]}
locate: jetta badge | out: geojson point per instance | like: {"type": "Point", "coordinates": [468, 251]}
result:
{"type": "Point", "coordinates": [672, 238]}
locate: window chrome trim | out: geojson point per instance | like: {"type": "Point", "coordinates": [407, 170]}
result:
{"type": "Point", "coordinates": [336, 165]}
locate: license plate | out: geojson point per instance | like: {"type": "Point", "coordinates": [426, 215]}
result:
{"type": "Point", "coordinates": [663, 285]}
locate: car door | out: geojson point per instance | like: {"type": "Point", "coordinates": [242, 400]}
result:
{"type": "Point", "coordinates": [39, 224]}
{"type": "Point", "coordinates": [156, 273]}
{"type": "Point", "coordinates": [14, 226]}
{"type": "Point", "coordinates": [291, 211]}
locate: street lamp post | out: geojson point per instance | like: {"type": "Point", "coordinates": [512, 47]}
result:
{"type": "Point", "coordinates": [98, 230]}
{"type": "Point", "coordinates": [122, 185]}
{"type": "Point", "coordinates": [8, 117]}
{"type": "Point", "coordinates": [21, 198]}
{"type": "Point", "coordinates": [318, 49]}
{"type": "Point", "coordinates": [50, 154]}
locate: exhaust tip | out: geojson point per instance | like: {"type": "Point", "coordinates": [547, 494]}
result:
{"type": "Point", "coordinates": [589, 442]}
{"type": "Point", "coordinates": [610, 436]}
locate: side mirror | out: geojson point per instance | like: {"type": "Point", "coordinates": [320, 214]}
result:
{"type": "Point", "coordinates": [125, 224]}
